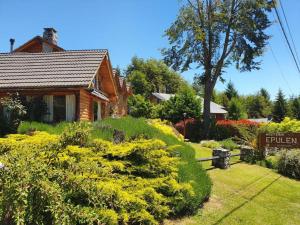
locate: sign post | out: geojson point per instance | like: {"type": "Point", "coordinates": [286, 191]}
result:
{"type": "Point", "coordinates": [278, 140]}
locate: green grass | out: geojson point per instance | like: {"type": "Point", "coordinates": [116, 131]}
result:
{"type": "Point", "coordinates": [247, 194]}
{"type": "Point", "coordinates": [189, 169]}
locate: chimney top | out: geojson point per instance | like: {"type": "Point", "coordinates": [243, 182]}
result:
{"type": "Point", "coordinates": [12, 41]}
{"type": "Point", "coordinates": [50, 35]}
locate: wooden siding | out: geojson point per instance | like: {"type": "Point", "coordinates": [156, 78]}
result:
{"type": "Point", "coordinates": [85, 105]}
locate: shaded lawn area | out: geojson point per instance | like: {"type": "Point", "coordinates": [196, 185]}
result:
{"type": "Point", "coordinates": [247, 194]}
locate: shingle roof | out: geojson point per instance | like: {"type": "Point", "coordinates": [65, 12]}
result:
{"type": "Point", "coordinates": [214, 107]}
{"type": "Point", "coordinates": [56, 69]}
{"type": "Point", "coordinates": [163, 96]}
{"type": "Point", "coordinates": [99, 95]}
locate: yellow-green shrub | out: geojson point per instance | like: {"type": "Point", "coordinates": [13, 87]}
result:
{"type": "Point", "coordinates": [130, 183]}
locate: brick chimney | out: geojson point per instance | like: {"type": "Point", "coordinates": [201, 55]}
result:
{"type": "Point", "coordinates": [50, 35]}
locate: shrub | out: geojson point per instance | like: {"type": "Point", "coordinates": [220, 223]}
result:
{"type": "Point", "coordinates": [184, 102]}
{"type": "Point", "coordinates": [36, 108]}
{"type": "Point", "coordinates": [244, 131]}
{"type": "Point", "coordinates": [272, 162]}
{"type": "Point", "coordinates": [136, 182]}
{"type": "Point", "coordinates": [289, 163]}
{"type": "Point", "coordinates": [11, 113]}
{"type": "Point", "coordinates": [287, 125]}
{"type": "Point", "coordinates": [76, 134]}
{"type": "Point", "coordinates": [229, 144]}
{"type": "Point", "coordinates": [210, 144]}
{"type": "Point", "coordinates": [193, 129]}
{"type": "Point", "coordinates": [139, 106]}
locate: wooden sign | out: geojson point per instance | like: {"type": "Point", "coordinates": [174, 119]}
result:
{"type": "Point", "coordinates": [279, 140]}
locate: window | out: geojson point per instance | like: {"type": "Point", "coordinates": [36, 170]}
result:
{"type": "Point", "coordinates": [59, 108]}
{"type": "Point", "coordinates": [96, 82]}
{"type": "Point", "coordinates": [97, 111]}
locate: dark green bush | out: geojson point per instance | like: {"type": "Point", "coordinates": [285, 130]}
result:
{"type": "Point", "coordinates": [36, 108]}
{"type": "Point", "coordinates": [289, 163]}
{"type": "Point", "coordinates": [11, 113]}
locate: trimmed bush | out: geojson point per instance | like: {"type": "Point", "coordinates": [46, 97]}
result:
{"type": "Point", "coordinates": [289, 163]}
{"type": "Point", "coordinates": [243, 131]}
{"type": "Point", "coordinates": [193, 129]}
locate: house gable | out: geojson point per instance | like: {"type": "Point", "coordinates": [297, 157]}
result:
{"type": "Point", "coordinates": [35, 45]}
{"type": "Point", "coordinates": [105, 78]}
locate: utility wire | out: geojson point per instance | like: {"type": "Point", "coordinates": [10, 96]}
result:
{"type": "Point", "coordinates": [286, 38]}
{"type": "Point", "coordinates": [280, 70]}
{"type": "Point", "coordinates": [289, 30]}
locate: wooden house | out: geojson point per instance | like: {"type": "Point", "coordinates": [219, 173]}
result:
{"type": "Point", "coordinates": [75, 84]}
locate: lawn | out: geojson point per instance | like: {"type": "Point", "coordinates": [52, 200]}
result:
{"type": "Point", "coordinates": [247, 194]}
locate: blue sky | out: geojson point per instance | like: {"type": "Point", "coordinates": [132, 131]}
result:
{"type": "Point", "coordinates": [136, 27]}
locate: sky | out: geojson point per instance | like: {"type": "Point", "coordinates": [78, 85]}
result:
{"type": "Point", "coordinates": [130, 28]}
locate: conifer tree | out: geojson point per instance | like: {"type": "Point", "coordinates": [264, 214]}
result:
{"type": "Point", "coordinates": [295, 108]}
{"type": "Point", "coordinates": [230, 91]}
{"type": "Point", "coordinates": [280, 107]}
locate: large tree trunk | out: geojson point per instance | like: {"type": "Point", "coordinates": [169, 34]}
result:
{"type": "Point", "coordinates": [206, 108]}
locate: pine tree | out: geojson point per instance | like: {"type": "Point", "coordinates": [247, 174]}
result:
{"type": "Point", "coordinates": [235, 111]}
{"type": "Point", "coordinates": [230, 91]}
{"type": "Point", "coordinates": [295, 108]}
{"type": "Point", "coordinates": [280, 107]}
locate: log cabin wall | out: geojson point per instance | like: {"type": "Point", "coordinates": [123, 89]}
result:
{"type": "Point", "coordinates": [85, 106]}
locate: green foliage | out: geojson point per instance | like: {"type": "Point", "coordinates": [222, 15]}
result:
{"type": "Point", "coordinates": [11, 113]}
{"type": "Point", "coordinates": [286, 126]}
{"type": "Point", "coordinates": [139, 106]}
{"type": "Point", "coordinates": [189, 170]}
{"type": "Point", "coordinates": [76, 134]}
{"type": "Point", "coordinates": [210, 144]}
{"type": "Point", "coordinates": [235, 109]}
{"type": "Point", "coordinates": [280, 107]}
{"type": "Point", "coordinates": [134, 182]}
{"type": "Point", "coordinates": [229, 144]}
{"type": "Point", "coordinates": [289, 163]}
{"type": "Point", "coordinates": [148, 76]}
{"type": "Point", "coordinates": [272, 161]}
{"type": "Point", "coordinates": [139, 83]}
{"type": "Point", "coordinates": [26, 127]}
{"type": "Point", "coordinates": [295, 108]}
{"type": "Point", "coordinates": [184, 102]}
{"type": "Point", "coordinates": [258, 106]}
{"type": "Point", "coordinates": [36, 108]}
{"type": "Point", "coordinates": [211, 35]}
{"type": "Point", "coordinates": [230, 91]}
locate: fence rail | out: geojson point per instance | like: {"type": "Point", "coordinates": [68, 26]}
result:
{"type": "Point", "coordinates": [216, 157]}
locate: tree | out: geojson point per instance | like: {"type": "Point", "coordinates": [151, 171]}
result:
{"type": "Point", "coordinates": [230, 91]}
{"type": "Point", "coordinates": [235, 111]}
{"type": "Point", "coordinates": [280, 107]}
{"type": "Point", "coordinates": [139, 106]}
{"type": "Point", "coordinates": [11, 113]}
{"type": "Point", "coordinates": [184, 102]}
{"type": "Point", "coordinates": [147, 76]}
{"type": "Point", "coordinates": [264, 93]}
{"type": "Point", "coordinates": [213, 34]}
{"type": "Point", "coordinates": [295, 108]}
{"type": "Point", "coordinates": [139, 83]}
{"type": "Point", "coordinates": [258, 106]}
